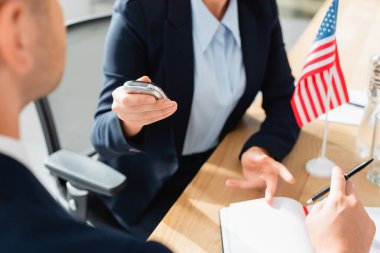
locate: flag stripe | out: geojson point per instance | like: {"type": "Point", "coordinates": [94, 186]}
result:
{"type": "Point", "coordinates": [327, 79]}
{"type": "Point", "coordinates": [301, 112]}
{"type": "Point", "coordinates": [341, 77]}
{"type": "Point", "coordinates": [327, 101]}
{"type": "Point", "coordinates": [322, 47]}
{"type": "Point", "coordinates": [304, 108]}
{"type": "Point", "coordinates": [323, 91]}
{"type": "Point", "coordinates": [320, 54]}
{"type": "Point", "coordinates": [318, 65]}
{"type": "Point", "coordinates": [296, 112]}
{"type": "Point", "coordinates": [310, 99]}
{"type": "Point", "coordinates": [319, 95]}
{"type": "Point", "coordinates": [336, 92]}
{"type": "Point", "coordinates": [321, 43]}
{"type": "Point", "coordinates": [338, 84]}
{"type": "Point", "coordinates": [320, 59]}
{"type": "Point", "coordinates": [314, 96]}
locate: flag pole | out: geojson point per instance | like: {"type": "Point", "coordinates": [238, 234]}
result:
{"type": "Point", "coordinates": [324, 141]}
{"type": "Point", "coordinates": [326, 126]}
{"type": "Point", "coordinates": [326, 66]}
{"type": "Point", "coordinates": [322, 166]}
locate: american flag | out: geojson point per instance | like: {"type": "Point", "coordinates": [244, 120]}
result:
{"type": "Point", "coordinates": [321, 86]}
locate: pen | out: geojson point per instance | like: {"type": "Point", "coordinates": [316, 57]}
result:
{"type": "Point", "coordinates": [346, 176]}
{"type": "Point", "coordinates": [357, 105]}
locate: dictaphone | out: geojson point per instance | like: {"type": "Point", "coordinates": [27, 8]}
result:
{"type": "Point", "coordinates": [140, 87]}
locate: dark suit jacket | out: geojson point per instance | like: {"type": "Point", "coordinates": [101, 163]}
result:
{"type": "Point", "coordinates": [31, 221]}
{"type": "Point", "coordinates": [154, 37]}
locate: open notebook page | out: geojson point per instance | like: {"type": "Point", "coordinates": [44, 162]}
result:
{"type": "Point", "coordinates": [254, 226]}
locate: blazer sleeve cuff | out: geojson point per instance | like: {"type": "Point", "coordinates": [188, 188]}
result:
{"type": "Point", "coordinates": [109, 140]}
{"type": "Point", "coordinates": [133, 144]}
{"type": "Point", "coordinates": [278, 149]}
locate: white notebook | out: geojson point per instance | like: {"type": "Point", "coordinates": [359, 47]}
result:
{"type": "Point", "coordinates": [254, 226]}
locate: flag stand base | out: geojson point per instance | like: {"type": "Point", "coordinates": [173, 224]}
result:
{"type": "Point", "coordinates": [320, 167]}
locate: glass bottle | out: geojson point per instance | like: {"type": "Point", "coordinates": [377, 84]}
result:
{"type": "Point", "coordinates": [366, 128]}
{"type": "Point", "coordinates": [373, 174]}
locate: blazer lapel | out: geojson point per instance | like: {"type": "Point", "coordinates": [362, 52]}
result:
{"type": "Point", "coordinates": [254, 44]}
{"type": "Point", "coordinates": [179, 65]}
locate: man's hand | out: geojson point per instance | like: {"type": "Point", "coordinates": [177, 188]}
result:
{"type": "Point", "coordinates": [138, 110]}
{"type": "Point", "coordinates": [260, 170]}
{"type": "Point", "coordinates": [340, 223]}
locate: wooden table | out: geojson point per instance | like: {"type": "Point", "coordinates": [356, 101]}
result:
{"type": "Point", "coordinates": [192, 224]}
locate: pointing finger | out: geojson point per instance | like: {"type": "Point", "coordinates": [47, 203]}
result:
{"type": "Point", "coordinates": [243, 184]}
{"type": "Point", "coordinates": [284, 173]}
{"type": "Point", "coordinates": [271, 189]}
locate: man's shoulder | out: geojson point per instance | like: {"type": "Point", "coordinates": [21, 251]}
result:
{"type": "Point", "coordinates": [7, 160]}
{"type": "Point", "coordinates": [38, 230]}
{"type": "Point", "coordinates": [14, 176]}
{"type": "Point", "coordinates": [33, 222]}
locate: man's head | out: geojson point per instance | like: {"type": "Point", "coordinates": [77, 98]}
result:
{"type": "Point", "coordinates": [32, 47]}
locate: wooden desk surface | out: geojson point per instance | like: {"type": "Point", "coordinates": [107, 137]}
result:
{"type": "Point", "coordinates": [192, 224]}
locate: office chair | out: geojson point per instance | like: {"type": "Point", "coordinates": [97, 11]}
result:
{"type": "Point", "coordinates": [66, 117]}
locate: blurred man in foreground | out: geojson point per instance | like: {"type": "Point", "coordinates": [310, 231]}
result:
{"type": "Point", "coordinates": [32, 50]}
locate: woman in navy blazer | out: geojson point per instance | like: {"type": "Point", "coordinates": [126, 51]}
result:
{"type": "Point", "coordinates": [155, 38]}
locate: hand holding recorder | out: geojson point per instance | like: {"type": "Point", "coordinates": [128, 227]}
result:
{"type": "Point", "coordinates": [141, 103]}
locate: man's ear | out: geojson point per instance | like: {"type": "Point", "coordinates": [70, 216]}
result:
{"type": "Point", "coordinates": [17, 36]}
